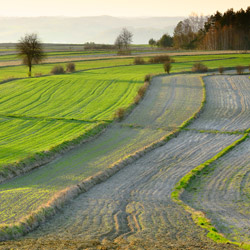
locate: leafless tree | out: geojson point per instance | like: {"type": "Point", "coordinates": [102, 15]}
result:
{"type": "Point", "coordinates": [30, 50]}
{"type": "Point", "coordinates": [124, 40]}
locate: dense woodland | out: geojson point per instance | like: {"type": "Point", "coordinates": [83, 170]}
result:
{"type": "Point", "coordinates": [230, 30]}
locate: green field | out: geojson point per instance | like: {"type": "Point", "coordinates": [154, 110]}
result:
{"type": "Point", "coordinates": [182, 63]}
{"type": "Point", "coordinates": [74, 101]}
{"type": "Point", "coordinates": [39, 113]}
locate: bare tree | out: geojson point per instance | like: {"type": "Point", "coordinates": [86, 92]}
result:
{"type": "Point", "coordinates": [30, 50]}
{"type": "Point", "coordinates": [124, 40]}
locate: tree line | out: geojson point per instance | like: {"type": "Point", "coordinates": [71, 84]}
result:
{"type": "Point", "coordinates": [230, 30]}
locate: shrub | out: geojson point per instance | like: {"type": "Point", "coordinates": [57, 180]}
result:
{"type": "Point", "coordinates": [142, 89]}
{"type": "Point", "coordinates": [167, 66]}
{"type": "Point", "coordinates": [119, 114]}
{"type": "Point", "coordinates": [139, 60]}
{"type": "Point", "coordinates": [199, 68]}
{"type": "Point", "coordinates": [137, 99]}
{"type": "Point", "coordinates": [70, 67]}
{"type": "Point", "coordinates": [147, 78]}
{"type": "Point", "coordinates": [57, 70]}
{"type": "Point", "coordinates": [141, 92]}
{"type": "Point", "coordinates": [161, 59]}
{"type": "Point", "coordinates": [221, 70]}
{"type": "Point", "coordinates": [239, 69]}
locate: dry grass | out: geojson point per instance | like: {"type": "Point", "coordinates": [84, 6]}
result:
{"type": "Point", "coordinates": [56, 70]}
{"type": "Point", "coordinates": [70, 67]}
{"type": "Point", "coordinates": [139, 61]}
{"type": "Point", "coordinates": [199, 68]}
{"type": "Point", "coordinates": [221, 70]}
{"type": "Point", "coordinates": [239, 69]}
{"type": "Point", "coordinates": [119, 114]}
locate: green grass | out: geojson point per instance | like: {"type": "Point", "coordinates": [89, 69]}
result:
{"type": "Point", "coordinates": [44, 69]}
{"type": "Point", "coordinates": [39, 113]}
{"type": "Point", "coordinates": [183, 63]}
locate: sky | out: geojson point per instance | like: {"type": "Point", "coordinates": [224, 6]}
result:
{"type": "Point", "coordinates": [117, 8]}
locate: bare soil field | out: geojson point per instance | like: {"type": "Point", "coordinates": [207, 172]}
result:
{"type": "Point", "coordinates": [224, 193]}
{"type": "Point", "coordinates": [228, 97]}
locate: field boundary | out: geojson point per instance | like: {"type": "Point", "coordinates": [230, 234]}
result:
{"type": "Point", "coordinates": [44, 212]}
{"type": "Point", "coordinates": [41, 158]}
{"type": "Point", "coordinates": [198, 216]}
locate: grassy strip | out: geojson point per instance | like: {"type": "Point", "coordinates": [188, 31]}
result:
{"type": "Point", "coordinates": [32, 221]}
{"type": "Point", "coordinates": [199, 217]}
{"type": "Point", "coordinates": [41, 158]}
{"type": "Point", "coordinates": [216, 131]}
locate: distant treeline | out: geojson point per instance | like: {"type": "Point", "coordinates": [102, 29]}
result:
{"type": "Point", "coordinates": [230, 30]}
{"type": "Point", "coordinates": [227, 31]}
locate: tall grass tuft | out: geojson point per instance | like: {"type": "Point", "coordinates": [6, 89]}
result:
{"type": "Point", "coordinates": [221, 70]}
{"type": "Point", "coordinates": [119, 114]}
{"type": "Point", "coordinates": [167, 67]}
{"type": "Point", "coordinates": [239, 69]}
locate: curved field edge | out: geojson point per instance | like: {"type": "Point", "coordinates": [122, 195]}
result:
{"type": "Point", "coordinates": [41, 158]}
{"type": "Point", "coordinates": [198, 216]}
{"type": "Point", "coordinates": [46, 211]}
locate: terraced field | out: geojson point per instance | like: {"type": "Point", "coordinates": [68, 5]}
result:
{"type": "Point", "coordinates": [115, 144]}
{"type": "Point", "coordinates": [229, 98]}
{"type": "Point", "coordinates": [224, 193]}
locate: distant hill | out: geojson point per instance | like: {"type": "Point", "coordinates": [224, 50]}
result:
{"type": "Point", "coordinates": [99, 29]}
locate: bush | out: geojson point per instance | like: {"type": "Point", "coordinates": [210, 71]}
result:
{"type": "Point", "coordinates": [142, 89]}
{"type": "Point", "coordinates": [199, 68]}
{"type": "Point", "coordinates": [160, 59]}
{"type": "Point", "coordinates": [141, 92]}
{"type": "Point", "coordinates": [221, 70]}
{"type": "Point", "coordinates": [147, 78]}
{"type": "Point", "coordinates": [57, 70]}
{"type": "Point", "coordinates": [70, 67]}
{"type": "Point", "coordinates": [239, 69]}
{"type": "Point", "coordinates": [167, 66]}
{"type": "Point", "coordinates": [119, 114]}
{"type": "Point", "coordinates": [137, 99]}
{"type": "Point", "coordinates": [139, 61]}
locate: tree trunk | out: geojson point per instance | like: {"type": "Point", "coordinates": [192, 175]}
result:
{"type": "Point", "coordinates": [30, 66]}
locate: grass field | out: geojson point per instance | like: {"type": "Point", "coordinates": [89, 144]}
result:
{"type": "Point", "coordinates": [72, 102]}
{"type": "Point", "coordinates": [182, 63]}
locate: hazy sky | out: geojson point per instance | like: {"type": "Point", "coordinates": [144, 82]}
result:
{"type": "Point", "coordinates": [125, 8]}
